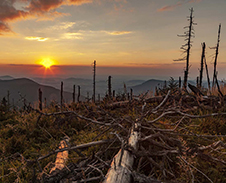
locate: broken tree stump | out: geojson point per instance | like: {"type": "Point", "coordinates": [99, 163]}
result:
{"type": "Point", "coordinates": [61, 157]}
{"type": "Point", "coordinates": [122, 163]}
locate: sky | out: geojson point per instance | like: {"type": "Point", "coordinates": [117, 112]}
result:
{"type": "Point", "coordinates": [125, 37]}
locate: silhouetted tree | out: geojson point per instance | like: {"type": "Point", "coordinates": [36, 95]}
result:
{"type": "Point", "coordinates": [202, 63]}
{"type": "Point", "coordinates": [109, 87]}
{"type": "Point", "coordinates": [207, 74]}
{"type": "Point", "coordinates": [94, 80]}
{"type": "Point", "coordinates": [61, 95]}
{"type": "Point", "coordinates": [216, 56]}
{"type": "Point", "coordinates": [73, 94]}
{"type": "Point", "coordinates": [40, 99]}
{"type": "Point", "coordinates": [78, 97]}
{"type": "Point", "coordinates": [187, 47]}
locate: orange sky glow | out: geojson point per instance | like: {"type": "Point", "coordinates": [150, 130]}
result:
{"type": "Point", "coordinates": [124, 36]}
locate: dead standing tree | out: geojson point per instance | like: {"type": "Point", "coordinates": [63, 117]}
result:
{"type": "Point", "coordinates": [109, 87]}
{"type": "Point", "coordinates": [94, 80]}
{"type": "Point", "coordinates": [187, 47]}
{"type": "Point", "coordinates": [202, 63]}
{"type": "Point", "coordinates": [73, 94]}
{"type": "Point", "coordinates": [61, 95]}
{"type": "Point", "coordinates": [207, 74]}
{"type": "Point", "coordinates": [40, 99]}
{"type": "Point", "coordinates": [215, 60]}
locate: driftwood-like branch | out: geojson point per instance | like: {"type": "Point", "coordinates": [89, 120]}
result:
{"type": "Point", "coordinates": [81, 146]}
{"type": "Point", "coordinates": [121, 166]}
{"type": "Point", "coordinates": [62, 157]}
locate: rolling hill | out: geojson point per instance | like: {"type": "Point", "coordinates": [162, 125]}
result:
{"type": "Point", "coordinates": [29, 90]}
{"type": "Point", "coordinates": [147, 85]}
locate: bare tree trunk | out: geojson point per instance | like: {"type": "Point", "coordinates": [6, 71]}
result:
{"type": "Point", "coordinates": [131, 93]}
{"type": "Point", "coordinates": [78, 97]}
{"type": "Point", "coordinates": [202, 63]}
{"type": "Point", "coordinates": [207, 74]}
{"type": "Point", "coordinates": [197, 82]}
{"type": "Point", "coordinates": [61, 95]}
{"type": "Point", "coordinates": [125, 90]}
{"type": "Point", "coordinates": [121, 165]}
{"type": "Point", "coordinates": [94, 80]}
{"type": "Point", "coordinates": [73, 93]}
{"type": "Point", "coordinates": [109, 87]}
{"type": "Point", "coordinates": [61, 157]}
{"type": "Point", "coordinates": [179, 85]}
{"type": "Point", "coordinates": [188, 50]}
{"type": "Point", "coordinates": [8, 100]}
{"type": "Point", "coordinates": [113, 94]}
{"type": "Point", "coordinates": [218, 87]}
{"type": "Point", "coordinates": [215, 61]}
{"type": "Point", "coordinates": [40, 99]}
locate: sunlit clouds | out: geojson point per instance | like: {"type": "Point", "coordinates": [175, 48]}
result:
{"type": "Point", "coordinates": [62, 26]}
{"type": "Point", "coordinates": [116, 33]}
{"type": "Point", "coordinates": [72, 35]}
{"type": "Point", "coordinates": [179, 3]}
{"type": "Point", "coordinates": [42, 39]}
{"type": "Point", "coordinates": [41, 9]}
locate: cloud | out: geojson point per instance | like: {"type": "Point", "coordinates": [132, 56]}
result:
{"type": "Point", "coordinates": [4, 28]}
{"type": "Point", "coordinates": [42, 39]}
{"type": "Point", "coordinates": [9, 13]}
{"type": "Point", "coordinates": [79, 2]}
{"type": "Point", "coordinates": [62, 26]}
{"type": "Point", "coordinates": [180, 3]}
{"type": "Point", "coordinates": [42, 9]}
{"type": "Point", "coordinates": [116, 33]}
{"type": "Point", "coordinates": [72, 35]}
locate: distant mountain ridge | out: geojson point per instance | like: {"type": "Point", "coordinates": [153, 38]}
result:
{"type": "Point", "coordinates": [6, 77]}
{"type": "Point", "coordinates": [147, 85]}
{"type": "Point", "coordinates": [29, 90]}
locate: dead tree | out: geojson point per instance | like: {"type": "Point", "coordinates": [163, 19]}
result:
{"type": "Point", "coordinates": [202, 63]}
{"type": "Point", "coordinates": [122, 163]}
{"type": "Point", "coordinates": [179, 83]}
{"type": "Point", "coordinates": [73, 93]}
{"type": "Point", "coordinates": [215, 60]}
{"type": "Point", "coordinates": [113, 94]}
{"type": "Point", "coordinates": [40, 99]}
{"type": "Point", "coordinates": [8, 101]}
{"type": "Point", "coordinates": [109, 87]}
{"type": "Point", "coordinates": [218, 87]}
{"type": "Point", "coordinates": [125, 90]}
{"type": "Point", "coordinates": [187, 47]}
{"type": "Point", "coordinates": [78, 97]}
{"type": "Point", "coordinates": [197, 82]}
{"type": "Point", "coordinates": [207, 74]}
{"type": "Point", "coordinates": [61, 95]}
{"type": "Point", "coordinates": [94, 80]}
{"type": "Point", "coordinates": [131, 94]}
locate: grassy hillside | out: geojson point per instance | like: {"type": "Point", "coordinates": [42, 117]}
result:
{"type": "Point", "coordinates": [181, 140]}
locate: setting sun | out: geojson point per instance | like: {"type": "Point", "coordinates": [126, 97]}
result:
{"type": "Point", "coordinates": [47, 63]}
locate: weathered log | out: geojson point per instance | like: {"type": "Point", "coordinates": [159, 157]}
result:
{"type": "Point", "coordinates": [61, 157]}
{"type": "Point", "coordinates": [121, 166]}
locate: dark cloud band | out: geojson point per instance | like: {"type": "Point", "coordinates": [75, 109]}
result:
{"type": "Point", "coordinates": [32, 8]}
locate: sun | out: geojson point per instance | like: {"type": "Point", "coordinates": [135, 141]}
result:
{"type": "Point", "coordinates": [47, 63]}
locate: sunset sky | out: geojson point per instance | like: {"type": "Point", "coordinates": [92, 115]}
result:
{"type": "Point", "coordinates": [133, 37]}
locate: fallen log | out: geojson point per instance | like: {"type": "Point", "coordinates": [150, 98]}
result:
{"type": "Point", "coordinates": [121, 166]}
{"type": "Point", "coordinates": [61, 157]}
